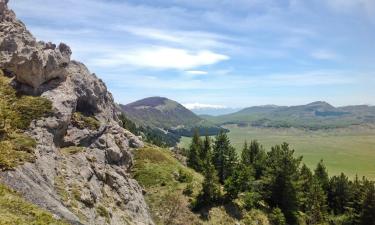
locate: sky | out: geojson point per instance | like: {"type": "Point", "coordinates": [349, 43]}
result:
{"type": "Point", "coordinates": [218, 53]}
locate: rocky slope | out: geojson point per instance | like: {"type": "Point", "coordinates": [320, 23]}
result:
{"type": "Point", "coordinates": [81, 171]}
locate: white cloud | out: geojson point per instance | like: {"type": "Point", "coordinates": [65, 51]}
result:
{"type": "Point", "coordinates": [323, 54]}
{"type": "Point", "coordinates": [162, 58]}
{"type": "Point", "coordinates": [197, 72]}
{"type": "Point", "coordinates": [197, 105]}
{"type": "Point", "coordinates": [192, 39]}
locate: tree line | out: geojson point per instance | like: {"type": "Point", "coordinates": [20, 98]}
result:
{"type": "Point", "coordinates": [278, 183]}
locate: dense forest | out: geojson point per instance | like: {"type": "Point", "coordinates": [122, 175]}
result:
{"type": "Point", "coordinates": [151, 135]}
{"type": "Point", "coordinates": [278, 184]}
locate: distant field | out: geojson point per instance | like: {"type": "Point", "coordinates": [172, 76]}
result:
{"type": "Point", "coordinates": [350, 150]}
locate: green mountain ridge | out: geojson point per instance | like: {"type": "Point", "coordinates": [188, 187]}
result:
{"type": "Point", "coordinates": [167, 115]}
{"type": "Point", "coordinates": [315, 115]}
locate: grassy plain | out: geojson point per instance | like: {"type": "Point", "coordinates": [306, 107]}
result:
{"type": "Point", "coordinates": [348, 150]}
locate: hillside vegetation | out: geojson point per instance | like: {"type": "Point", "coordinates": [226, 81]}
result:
{"type": "Point", "coordinates": [166, 118]}
{"type": "Point", "coordinates": [349, 150]}
{"type": "Point", "coordinates": [277, 184]}
{"type": "Point", "coordinates": [16, 113]}
{"type": "Point", "coordinates": [171, 188]}
{"type": "Point", "coordinates": [14, 210]}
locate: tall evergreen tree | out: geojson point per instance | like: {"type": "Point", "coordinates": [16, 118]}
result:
{"type": "Point", "coordinates": [322, 175]}
{"type": "Point", "coordinates": [193, 159]}
{"type": "Point", "coordinates": [316, 203]}
{"type": "Point", "coordinates": [281, 181]}
{"type": "Point", "coordinates": [210, 192]}
{"type": "Point", "coordinates": [254, 155]}
{"type": "Point", "coordinates": [368, 207]}
{"type": "Point", "coordinates": [205, 150]}
{"type": "Point", "coordinates": [305, 178]}
{"type": "Point", "coordinates": [240, 181]}
{"type": "Point", "coordinates": [245, 154]}
{"type": "Point", "coordinates": [224, 156]}
{"type": "Point", "coordinates": [339, 194]}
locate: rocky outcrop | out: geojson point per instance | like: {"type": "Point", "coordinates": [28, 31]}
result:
{"type": "Point", "coordinates": [80, 174]}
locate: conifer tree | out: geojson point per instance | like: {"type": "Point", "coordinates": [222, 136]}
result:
{"type": "Point", "coordinates": [245, 154]}
{"type": "Point", "coordinates": [205, 150]}
{"type": "Point", "coordinates": [322, 175]}
{"type": "Point", "coordinates": [280, 181]}
{"type": "Point", "coordinates": [210, 192]}
{"type": "Point", "coordinates": [368, 207]}
{"type": "Point", "coordinates": [240, 181]}
{"type": "Point", "coordinates": [316, 203]}
{"type": "Point", "coordinates": [339, 194]}
{"type": "Point", "coordinates": [254, 155]}
{"type": "Point", "coordinates": [224, 156]}
{"type": "Point", "coordinates": [193, 159]}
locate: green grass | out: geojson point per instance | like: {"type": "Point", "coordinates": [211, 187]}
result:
{"type": "Point", "coordinates": [165, 179]}
{"type": "Point", "coordinates": [16, 113]}
{"type": "Point", "coordinates": [349, 150]}
{"type": "Point", "coordinates": [72, 150]}
{"type": "Point", "coordinates": [81, 121]}
{"type": "Point", "coordinates": [14, 210]}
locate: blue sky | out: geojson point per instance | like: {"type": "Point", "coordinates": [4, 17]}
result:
{"type": "Point", "coordinates": [218, 53]}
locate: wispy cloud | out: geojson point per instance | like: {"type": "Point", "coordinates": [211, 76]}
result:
{"type": "Point", "coordinates": [162, 57]}
{"type": "Point", "coordinates": [324, 55]}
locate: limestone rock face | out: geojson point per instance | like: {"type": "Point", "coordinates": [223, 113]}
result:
{"type": "Point", "coordinates": [32, 62]}
{"type": "Point", "coordinates": [80, 174]}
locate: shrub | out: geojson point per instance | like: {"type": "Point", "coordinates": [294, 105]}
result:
{"type": "Point", "coordinates": [184, 176]}
{"type": "Point", "coordinates": [188, 190]}
{"type": "Point", "coordinates": [81, 121]}
{"type": "Point", "coordinates": [277, 217]}
{"type": "Point", "coordinates": [255, 217]}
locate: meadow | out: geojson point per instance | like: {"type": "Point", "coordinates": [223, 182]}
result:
{"type": "Point", "coordinates": [348, 150]}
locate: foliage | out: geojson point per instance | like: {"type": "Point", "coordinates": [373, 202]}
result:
{"type": "Point", "coordinates": [321, 174]}
{"type": "Point", "coordinates": [82, 121]}
{"type": "Point", "coordinates": [128, 124]}
{"type": "Point", "coordinates": [210, 193]}
{"type": "Point", "coordinates": [193, 160]}
{"type": "Point", "coordinates": [339, 193]}
{"type": "Point", "coordinates": [239, 181]}
{"type": "Point", "coordinates": [277, 217]}
{"type": "Point", "coordinates": [368, 207]}
{"type": "Point", "coordinates": [254, 155]}
{"type": "Point", "coordinates": [224, 156]}
{"type": "Point", "coordinates": [16, 113]}
{"type": "Point", "coordinates": [14, 210]}
{"type": "Point", "coordinates": [255, 217]}
{"type": "Point", "coordinates": [281, 181]}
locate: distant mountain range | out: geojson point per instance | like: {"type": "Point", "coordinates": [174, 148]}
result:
{"type": "Point", "coordinates": [316, 115]}
{"type": "Point", "coordinates": [168, 116]}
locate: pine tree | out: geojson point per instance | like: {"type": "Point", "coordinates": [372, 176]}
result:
{"type": "Point", "coordinates": [339, 194]}
{"type": "Point", "coordinates": [210, 192]}
{"type": "Point", "coordinates": [322, 175]}
{"type": "Point", "coordinates": [224, 156]}
{"type": "Point", "coordinates": [280, 182]}
{"type": "Point", "coordinates": [193, 159]}
{"type": "Point", "coordinates": [316, 203]}
{"type": "Point", "coordinates": [254, 155]}
{"type": "Point", "coordinates": [205, 150]}
{"type": "Point", "coordinates": [368, 207]}
{"type": "Point", "coordinates": [240, 181]}
{"type": "Point", "coordinates": [245, 154]}
{"type": "Point", "coordinates": [305, 178]}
